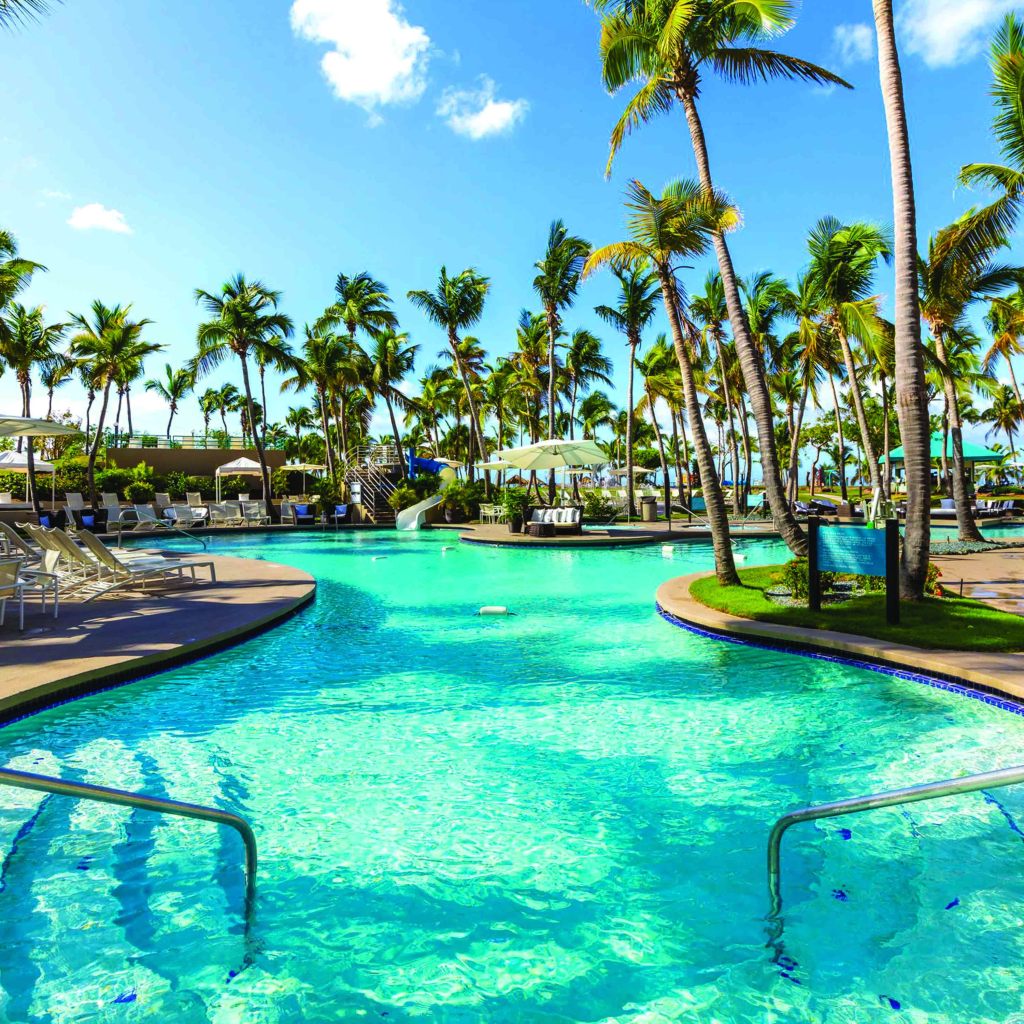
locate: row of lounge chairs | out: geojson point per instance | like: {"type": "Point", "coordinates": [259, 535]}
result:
{"type": "Point", "coordinates": [51, 562]}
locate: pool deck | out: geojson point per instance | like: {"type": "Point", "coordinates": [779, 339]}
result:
{"type": "Point", "coordinates": [1001, 673]}
{"type": "Point", "coordinates": [118, 638]}
{"type": "Point", "coordinates": [623, 536]}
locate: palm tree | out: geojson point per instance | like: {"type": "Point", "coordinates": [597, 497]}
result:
{"type": "Point", "coordinates": [585, 365]}
{"type": "Point", "coordinates": [659, 371]}
{"type": "Point", "coordinates": [843, 259]}
{"type": "Point", "coordinates": [13, 12]}
{"type": "Point", "coordinates": [172, 388]}
{"type": "Point", "coordinates": [680, 223]}
{"type": "Point", "coordinates": [104, 341]}
{"type": "Point", "coordinates": [639, 290]}
{"type": "Point", "coordinates": [911, 390]}
{"type": "Point", "coordinates": [277, 353]}
{"type": "Point", "coordinates": [665, 45]}
{"type": "Point", "coordinates": [596, 410]}
{"type": "Point", "coordinates": [1005, 320]}
{"type": "Point", "coordinates": [391, 359]}
{"type": "Point", "coordinates": [299, 420]}
{"type": "Point", "coordinates": [15, 271]}
{"type": "Point", "coordinates": [209, 403]}
{"type": "Point", "coordinates": [455, 304]}
{"type": "Point", "coordinates": [363, 304]}
{"type": "Point", "coordinates": [958, 271]}
{"type": "Point", "coordinates": [27, 341]}
{"type": "Point", "coordinates": [245, 322]}
{"type": "Point", "coordinates": [228, 400]}
{"type": "Point", "coordinates": [556, 283]}
{"type": "Point", "coordinates": [1005, 415]}
{"type": "Point", "coordinates": [1007, 63]}
{"type": "Point", "coordinates": [54, 374]}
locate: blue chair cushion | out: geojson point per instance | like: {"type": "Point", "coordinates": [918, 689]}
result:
{"type": "Point", "coordinates": [301, 510]}
{"type": "Point", "coordinates": [341, 510]}
{"type": "Point", "coordinates": [88, 521]}
{"type": "Point", "coordinates": [44, 521]}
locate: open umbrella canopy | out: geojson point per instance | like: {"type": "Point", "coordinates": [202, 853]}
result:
{"type": "Point", "coordinates": [23, 426]}
{"type": "Point", "coordinates": [637, 471]}
{"type": "Point", "coordinates": [301, 467]}
{"type": "Point", "coordinates": [240, 467]}
{"type": "Point", "coordinates": [972, 452]}
{"type": "Point", "coordinates": [553, 454]}
{"type": "Point", "coordinates": [17, 462]}
{"type": "Point", "coordinates": [494, 464]}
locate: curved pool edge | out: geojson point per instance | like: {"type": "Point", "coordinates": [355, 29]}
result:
{"type": "Point", "coordinates": [250, 597]}
{"type": "Point", "coordinates": [993, 678]}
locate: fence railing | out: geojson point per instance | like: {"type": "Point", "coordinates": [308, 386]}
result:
{"type": "Point", "coordinates": [191, 442]}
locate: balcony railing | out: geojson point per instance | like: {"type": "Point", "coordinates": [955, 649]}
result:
{"type": "Point", "coordinates": [193, 442]}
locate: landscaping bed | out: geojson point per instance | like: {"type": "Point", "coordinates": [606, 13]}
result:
{"type": "Point", "coordinates": [938, 623]}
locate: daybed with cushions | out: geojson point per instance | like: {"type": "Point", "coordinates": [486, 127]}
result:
{"type": "Point", "coordinates": [565, 520]}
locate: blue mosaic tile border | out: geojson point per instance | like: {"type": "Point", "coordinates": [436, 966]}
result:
{"type": "Point", "coordinates": [953, 685]}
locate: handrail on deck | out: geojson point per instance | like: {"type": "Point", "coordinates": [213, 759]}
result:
{"type": "Point", "coordinates": [911, 794]}
{"type": "Point", "coordinates": [102, 794]}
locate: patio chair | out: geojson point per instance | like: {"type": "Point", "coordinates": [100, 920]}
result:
{"type": "Point", "coordinates": [243, 497]}
{"type": "Point", "coordinates": [125, 574]}
{"type": "Point", "coordinates": [14, 544]}
{"type": "Point", "coordinates": [6, 498]}
{"type": "Point", "coordinates": [11, 589]}
{"type": "Point", "coordinates": [111, 505]}
{"type": "Point", "coordinates": [142, 518]}
{"type": "Point", "coordinates": [339, 515]}
{"type": "Point", "coordinates": [85, 519]}
{"type": "Point", "coordinates": [254, 513]}
{"type": "Point", "coordinates": [199, 510]}
{"type": "Point", "coordinates": [162, 500]}
{"type": "Point", "coordinates": [300, 513]}
{"type": "Point", "coordinates": [225, 513]}
{"type": "Point", "coordinates": [180, 516]}
{"type": "Point", "coordinates": [75, 501]}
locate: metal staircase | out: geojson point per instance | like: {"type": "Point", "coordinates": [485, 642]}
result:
{"type": "Point", "coordinates": [375, 469]}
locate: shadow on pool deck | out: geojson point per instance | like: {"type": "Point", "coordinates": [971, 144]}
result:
{"type": "Point", "coordinates": [127, 634]}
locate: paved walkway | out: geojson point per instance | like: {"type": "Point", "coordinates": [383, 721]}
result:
{"type": "Point", "coordinates": [624, 535]}
{"type": "Point", "coordinates": [996, 577]}
{"type": "Point", "coordinates": [1003, 673]}
{"type": "Point", "coordinates": [134, 633]}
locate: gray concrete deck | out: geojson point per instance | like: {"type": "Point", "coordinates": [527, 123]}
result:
{"type": "Point", "coordinates": [129, 634]}
{"type": "Point", "coordinates": [631, 535]}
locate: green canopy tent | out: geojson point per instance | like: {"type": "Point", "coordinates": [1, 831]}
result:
{"type": "Point", "coordinates": [972, 452]}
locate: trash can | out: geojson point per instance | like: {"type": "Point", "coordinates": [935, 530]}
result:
{"type": "Point", "coordinates": [649, 509]}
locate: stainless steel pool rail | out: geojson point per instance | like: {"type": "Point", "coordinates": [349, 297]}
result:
{"type": "Point", "coordinates": [912, 794]}
{"type": "Point", "coordinates": [85, 791]}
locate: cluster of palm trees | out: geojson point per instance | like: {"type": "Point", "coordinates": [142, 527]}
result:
{"type": "Point", "coordinates": [744, 365]}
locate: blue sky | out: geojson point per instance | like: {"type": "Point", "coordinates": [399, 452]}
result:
{"type": "Point", "coordinates": [152, 148]}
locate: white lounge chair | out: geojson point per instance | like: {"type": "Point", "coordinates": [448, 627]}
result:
{"type": "Point", "coordinates": [112, 506]}
{"type": "Point", "coordinates": [11, 589]}
{"type": "Point", "coordinates": [225, 513]}
{"type": "Point", "coordinates": [121, 573]}
{"type": "Point", "coordinates": [254, 513]}
{"type": "Point", "coordinates": [195, 502]}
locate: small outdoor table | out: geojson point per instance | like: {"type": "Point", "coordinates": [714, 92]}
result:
{"type": "Point", "coordinates": [541, 529]}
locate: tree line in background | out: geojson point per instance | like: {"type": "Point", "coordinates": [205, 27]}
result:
{"type": "Point", "coordinates": [743, 366]}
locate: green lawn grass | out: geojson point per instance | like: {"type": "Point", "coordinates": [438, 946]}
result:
{"type": "Point", "coordinates": [947, 623]}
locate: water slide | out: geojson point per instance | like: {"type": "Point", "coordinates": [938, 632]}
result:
{"type": "Point", "coordinates": [415, 516]}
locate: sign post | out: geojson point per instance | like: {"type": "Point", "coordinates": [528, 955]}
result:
{"type": "Point", "coordinates": [813, 571]}
{"type": "Point", "coordinates": [892, 572]}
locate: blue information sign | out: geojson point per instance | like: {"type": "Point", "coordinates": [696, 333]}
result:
{"type": "Point", "coordinates": [857, 550]}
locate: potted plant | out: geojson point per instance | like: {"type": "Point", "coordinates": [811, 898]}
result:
{"type": "Point", "coordinates": [514, 502]}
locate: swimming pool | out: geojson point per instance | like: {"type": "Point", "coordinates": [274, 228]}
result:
{"type": "Point", "coordinates": [557, 816]}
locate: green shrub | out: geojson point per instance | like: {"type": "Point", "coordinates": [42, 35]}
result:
{"type": "Point", "coordinates": [403, 496]}
{"type": "Point", "coordinates": [139, 492]}
{"type": "Point", "coordinates": [515, 501]}
{"type": "Point", "coordinates": [15, 483]}
{"type": "Point", "coordinates": [113, 480]}
{"type": "Point", "coordinates": [795, 578]}
{"type": "Point", "coordinates": [463, 496]}
{"type": "Point", "coordinates": [597, 507]}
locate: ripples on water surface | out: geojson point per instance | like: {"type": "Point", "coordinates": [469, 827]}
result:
{"type": "Point", "coordinates": [559, 816]}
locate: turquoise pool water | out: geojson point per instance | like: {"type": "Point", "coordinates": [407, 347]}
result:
{"type": "Point", "coordinates": [559, 816]}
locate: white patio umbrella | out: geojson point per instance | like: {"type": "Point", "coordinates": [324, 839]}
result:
{"type": "Point", "coordinates": [24, 426]}
{"type": "Point", "coordinates": [304, 468]}
{"type": "Point", "coordinates": [240, 467]}
{"type": "Point", "coordinates": [494, 464]}
{"type": "Point", "coordinates": [637, 471]}
{"type": "Point", "coordinates": [17, 462]}
{"type": "Point", "coordinates": [553, 454]}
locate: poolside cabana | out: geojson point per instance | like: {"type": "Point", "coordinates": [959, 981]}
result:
{"type": "Point", "coordinates": [17, 462]}
{"type": "Point", "coordinates": [239, 467]}
{"type": "Point", "coordinates": [303, 468]}
{"type": "Point", "coordinates": [973, 453]}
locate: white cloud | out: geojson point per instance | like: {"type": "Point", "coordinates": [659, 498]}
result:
{"type": "Point", "coordinates": [855, 43]}
{"type": "Point", "coordinates": [945, 32]}
{"type": "Point", "coordinates": [376, 56]}
{"type": "Point", "coordinates": [51, 193]}
{"type": "Point", "coordinates": [96, 215]}
{"type": "Point", "coordinates": [477, 114]}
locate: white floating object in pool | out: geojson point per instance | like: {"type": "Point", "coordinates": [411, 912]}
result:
{"type": "Point", "coordinates": [493, 609]}
{"type": "Point", "coordinates": [668, 550]}
{"type": "Point", "coordinates": [448, 547]}
{"type": "Point", "coordinates": [377, 558]}
{"type": "Point", "coordinates": [739, 558]}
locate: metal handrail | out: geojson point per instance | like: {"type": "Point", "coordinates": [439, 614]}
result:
{"type": "Point", "coordinates": [85, 791]}
{"type": "Point", "coordinates": [909, 795]}
{"type": "Point", "coordinates": [159, 526]}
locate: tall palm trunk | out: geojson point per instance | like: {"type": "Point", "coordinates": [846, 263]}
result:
{"type": "Point", "coordinates": [630, 499]}
{"type": "Point", "coordinates": [94, 448]}
{"type": "Point", "coordinates": [128, 410]}
{"type": "Point", "coordinates": [321, 401]}
{"type": "Point", "coordinates": [718, 516]}
{"type": "Point", "coordinates": [886, 441]}
{"type": "Point", "coordinates": [841, 461]}
{"type": "Point", "coordinates": [475, 433]}
{"type": "Point", "coordinates": [966, 526]}
{"type": "Point", "coordinates": [25, 381]}
{"type": "Point", "coordinates": [911, 393]}
{"type": "Point", "coordinates": [794, 444]}
{"type": "Point", "coordinates": [858, 408]}
{"type": "Point", "coordinates": [748, 455]}
{"type": "Point", "coordinates": [732, 426]}
{"type": "Point", "coordinates": [403, 462]}
{"type": "Point", "coordinates": [749, 358]}
{"type": "Point", "coordinates": [170, 419]}
{"type": "Point", "coordinates": [263, 399]}
{"type": "Point", "coordinates": [676, 454]}
{"type": "Point", "coordinates": [661, 456]}
{"type": "Point", "coordinates": [257, 441]}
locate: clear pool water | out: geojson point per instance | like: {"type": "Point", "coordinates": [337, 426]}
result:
{"type": "Point", "coordinates": [559, 816]}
